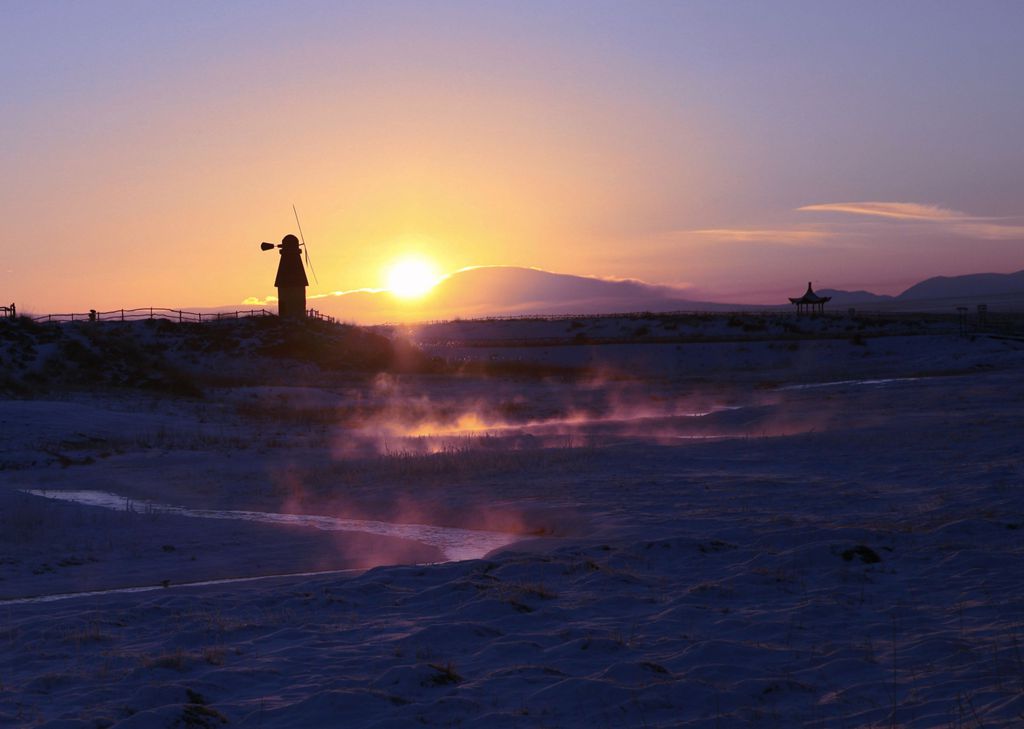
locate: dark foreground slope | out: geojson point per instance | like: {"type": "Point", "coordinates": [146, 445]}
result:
{"type": "Point", "coordinates": [181, 358]}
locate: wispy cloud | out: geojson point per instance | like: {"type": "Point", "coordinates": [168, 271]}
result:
{"type": "Point", "coordinates": [991, 231]}
{"type": "Point", "coordinates": [894, 210]}
{"type": "Point", "coordinates": [781, 236]}
{"type": "Point", "coordinates": [331, 294]}
{"type": "Point", "coordinates": [949, 220]}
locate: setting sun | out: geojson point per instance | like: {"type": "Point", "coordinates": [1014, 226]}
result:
{"type": "Point", "coordinates": [411, 277]}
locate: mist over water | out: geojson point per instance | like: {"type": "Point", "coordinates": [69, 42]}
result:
{"type": "Point", "coordinates": [419, 450]}
{"type": "Point", "coordinates": [407, 419]}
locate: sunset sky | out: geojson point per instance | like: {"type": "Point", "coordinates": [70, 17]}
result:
{"type": "Point", "coordinates": [738, 149]}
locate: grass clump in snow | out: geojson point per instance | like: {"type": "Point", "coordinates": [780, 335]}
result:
{"type": "Point", "coordinates": [197, 713]}
{"type": "Point", "coordinates": [445, 675]}
{"type": "Point", "coordinates": [176, 660]}
{"type": "Point", "coordinates": [866, 554]}
{"type": "Point", "coordinates": [90, 632]}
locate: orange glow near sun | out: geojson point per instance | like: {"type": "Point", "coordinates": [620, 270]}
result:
{"type": "Point", "coordinates": [411, 277]}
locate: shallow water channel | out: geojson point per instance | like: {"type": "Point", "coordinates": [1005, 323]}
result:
{"type": "Point", "coordinates": [456, 544]}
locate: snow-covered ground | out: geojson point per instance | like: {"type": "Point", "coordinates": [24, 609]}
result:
{"type": "Point", "coordinates": [814, 532]}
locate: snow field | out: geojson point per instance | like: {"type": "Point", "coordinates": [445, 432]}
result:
{"type": "Point", "coordinates": [847, 555]}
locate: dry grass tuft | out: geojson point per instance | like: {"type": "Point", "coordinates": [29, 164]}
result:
{"type": "Point", "coordinates": [177, 660]}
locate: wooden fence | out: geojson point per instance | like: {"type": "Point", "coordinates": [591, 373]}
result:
{"type": "Point", "coordinates": [152, 312]}
{"type": "Point", "coordinates": [315, 314]}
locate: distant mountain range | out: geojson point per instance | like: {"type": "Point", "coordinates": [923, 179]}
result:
{"type": "Point", "coordinates": [510, 290]}
{"type": "Point", "coordinates": [840, 297]}
{"type": "Point", "coordinates": [940, 287]}
{"type": "Point", "coordinates": [975, 284]}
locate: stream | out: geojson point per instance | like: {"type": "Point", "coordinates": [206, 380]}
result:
{"type": "Point", "coordinates": [455, 544]}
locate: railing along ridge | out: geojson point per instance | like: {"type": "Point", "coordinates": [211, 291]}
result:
{"type": "Point", "coordinates": [152, 312]}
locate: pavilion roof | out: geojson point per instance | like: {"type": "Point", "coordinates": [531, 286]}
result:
{"type": "Point", "coordinates": [810, 297]}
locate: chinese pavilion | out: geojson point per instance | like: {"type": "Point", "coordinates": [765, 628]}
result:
{"type": "Point", "coordinates": [810, 302]}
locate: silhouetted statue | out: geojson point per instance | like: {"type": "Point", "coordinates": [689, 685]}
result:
{"type": "Point", "coordinates": [291, 281]}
